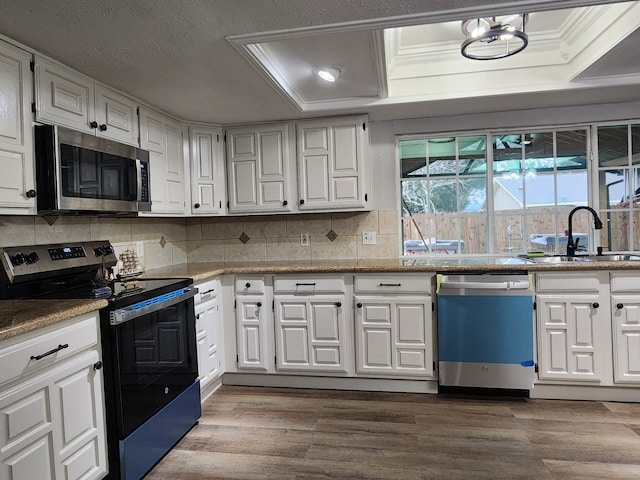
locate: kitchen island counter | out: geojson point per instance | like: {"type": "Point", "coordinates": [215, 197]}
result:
{"type": "Point", "coordinates": [22, 316]}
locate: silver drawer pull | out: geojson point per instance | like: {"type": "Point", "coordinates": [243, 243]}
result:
{"type": "Point", "coordinates": [50, 352]}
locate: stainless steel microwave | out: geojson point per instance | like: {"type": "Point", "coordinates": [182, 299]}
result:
{"type": "Point", "coordinates": [80, 173]}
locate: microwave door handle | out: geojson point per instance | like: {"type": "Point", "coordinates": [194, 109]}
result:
{"type": "Point", "coordinates": [139, 179]}
{"type": "Point", "coordinates": [125, 314]}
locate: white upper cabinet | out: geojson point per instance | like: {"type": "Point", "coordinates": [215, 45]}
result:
{"type": "Point", "coordinates": [17, 183]}
{"type": "Point", "coordinates": [258, 169]}
{"type": "Point", "coordinates": [333, 164]}
{"type": "Point", "coordinates": [206, 153]}
{"type": "Point", "coordinates": [162, 136]}
{"type": "Point", "coordinates": [66, 97]}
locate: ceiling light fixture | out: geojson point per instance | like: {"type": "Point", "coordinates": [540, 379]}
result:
{"type": "Point", "coordinates": [483, 33]}
{"type": "Point", "coordinates": [329, 74]}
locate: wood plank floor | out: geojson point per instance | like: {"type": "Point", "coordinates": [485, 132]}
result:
{"type": "Point", "coordinates": [294, 434]}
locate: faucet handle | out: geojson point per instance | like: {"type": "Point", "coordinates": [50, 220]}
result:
{"type": "Point", "coordinates": [575, 244]}
{"type": "Point", "coordinates": [599, 251]}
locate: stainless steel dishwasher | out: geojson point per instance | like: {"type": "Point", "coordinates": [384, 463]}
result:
{"type": "Point", "coordinates": [485, 331]}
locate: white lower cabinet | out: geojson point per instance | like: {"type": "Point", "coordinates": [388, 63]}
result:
{"type": "Point", "coordinates": [394, 327]}
{"type": "Point", "coordinates": [625, 308]}
{"type": "Point", "coordinates": [254, 325]}
{"type": "Point", "coordinates": [310, 315]}
{"type": "Point", "coordinates": [589, 327]}
{"type": "Point", "coordinates": [52, 409]}
{"type": "Point", "coordinates": [209, 332]}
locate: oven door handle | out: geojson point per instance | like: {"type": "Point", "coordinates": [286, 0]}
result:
{"type": "Point", "coordinates": [125, 314]}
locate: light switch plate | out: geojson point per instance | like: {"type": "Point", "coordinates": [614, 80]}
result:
{"type": "Point", "coordinates": [369, 238]}
{"type": "Point", "coordinates": [304, 239]}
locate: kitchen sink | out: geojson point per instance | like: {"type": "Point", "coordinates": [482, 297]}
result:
{"type": "Point", "coordinates": [613, 258]}
{"type": "Point", "coordinates": [584, 258]}
{"type": "Point", "coordinates": [554, 259]}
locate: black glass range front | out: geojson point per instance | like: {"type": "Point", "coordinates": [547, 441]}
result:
{"type": "Point", "coordinates": [152, 395]}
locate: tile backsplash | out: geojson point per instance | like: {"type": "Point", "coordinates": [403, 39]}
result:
{"type": "Point", "coordinates": [172, 241]}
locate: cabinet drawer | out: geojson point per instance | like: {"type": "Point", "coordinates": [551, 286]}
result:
{"type": "Point", "coordinates": [308, 284]}
{"type": "Point", "coordinates": [17, 358]}
{"type": "Point", "coordinates": [397, 283]}
{"type": "Point", "coordinates": [570, 282]}
{"type": "Point", "coordinates": [625, 282]}
{"type": "Point", "coordinates": [249, 285]}
{"type": "Point", "coordinates": [206, 291]}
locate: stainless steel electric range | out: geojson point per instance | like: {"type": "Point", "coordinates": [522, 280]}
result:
{"type": "Point", "coordinates": [152, 395]}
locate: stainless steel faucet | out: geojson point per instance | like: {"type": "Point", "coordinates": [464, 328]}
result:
{"type": "Point", "coordinates": [597, 224]}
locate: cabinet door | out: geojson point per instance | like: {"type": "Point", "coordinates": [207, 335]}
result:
{"type": "Point", "coordinates": [574, 337]}
{"type": "Point", "coordinates": [207, 181]}
{"type": "Point", "coordinates": [311, 333]}
{"type": "Point", "coordinates": [209, 335]}
{"type": "Point", "coordinates": [117, 116]}
{"type": "Point", "coordinates": [332, 164]}
{"type": "Point", "coordinates": [394, 336]}
{"type": "Point", "coordinates": [63, 96]}
{"type": "Point", "coordinates": [258, 169]}
{"type": "Point", "coordinates": [252, 333]}
{"type": "Point", "coordinates": [16, 133]}
{"type": "Point", "coordinates": [626, 338]}
{"type": "Point", "coordinates": [162, 136]}
{"type": "Point", "coordinates": [53, 427]}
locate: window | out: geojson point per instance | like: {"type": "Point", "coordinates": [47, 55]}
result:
{"type": "Point", "coordinates": [461, 197]}
{"type": "Point", "coordinates": [618, 148]}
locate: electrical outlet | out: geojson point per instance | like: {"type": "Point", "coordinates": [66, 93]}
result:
{"type": "Point", "coordinates": [369, 238]}
{"type": "Point", "coordinates": [304, 239]}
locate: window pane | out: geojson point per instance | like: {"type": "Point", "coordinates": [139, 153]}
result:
{"type": "Point", "coordinates": [413, 158]}
{"type": "Point", "coordinates": [613, 146]}
{"type": "Point", "coordinates": [414, 196]}
{"type": "Point", "coordinates": [614, 187]}
{"type": "Point", "coordinates": [615, 234]}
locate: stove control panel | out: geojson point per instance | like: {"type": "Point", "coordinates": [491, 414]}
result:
{"type": "Point", "coordinates": [36, 261]}
{"type": "Point", "coordinates": [64, 253]}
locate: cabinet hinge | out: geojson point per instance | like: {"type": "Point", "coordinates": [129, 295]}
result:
{"type": "Point", "coordinates": [535, 367]}
{"type": "Point", "coordinates": [33, 107]}
{"type": "Point", "coordinates": [364, 126]}
{"type": "Point", "coordinates": [32, 66]}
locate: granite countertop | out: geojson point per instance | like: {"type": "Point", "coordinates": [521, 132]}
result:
{"type": "Point", "coordinates": [202, 271]}
{"type": "Point", "coordinates": [22, 316]}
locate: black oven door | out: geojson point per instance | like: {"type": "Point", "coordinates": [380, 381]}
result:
{"type": "Point", "coordinates": [154, 359]}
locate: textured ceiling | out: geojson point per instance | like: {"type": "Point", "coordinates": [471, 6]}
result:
{"type": "Point", "coordinates": [173, 54]}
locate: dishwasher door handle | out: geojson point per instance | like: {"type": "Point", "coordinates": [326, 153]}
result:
{"type": "Point", "coordinates": [512, 285]}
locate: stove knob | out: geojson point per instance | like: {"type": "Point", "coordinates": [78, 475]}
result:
{"type": "Point", "coordinates": [32, 257]}
{"type": "Point", "coordinates": [18, 259]}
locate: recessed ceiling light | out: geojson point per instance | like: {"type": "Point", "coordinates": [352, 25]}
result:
{"type": "Point", "coordinates": [329, 74]}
